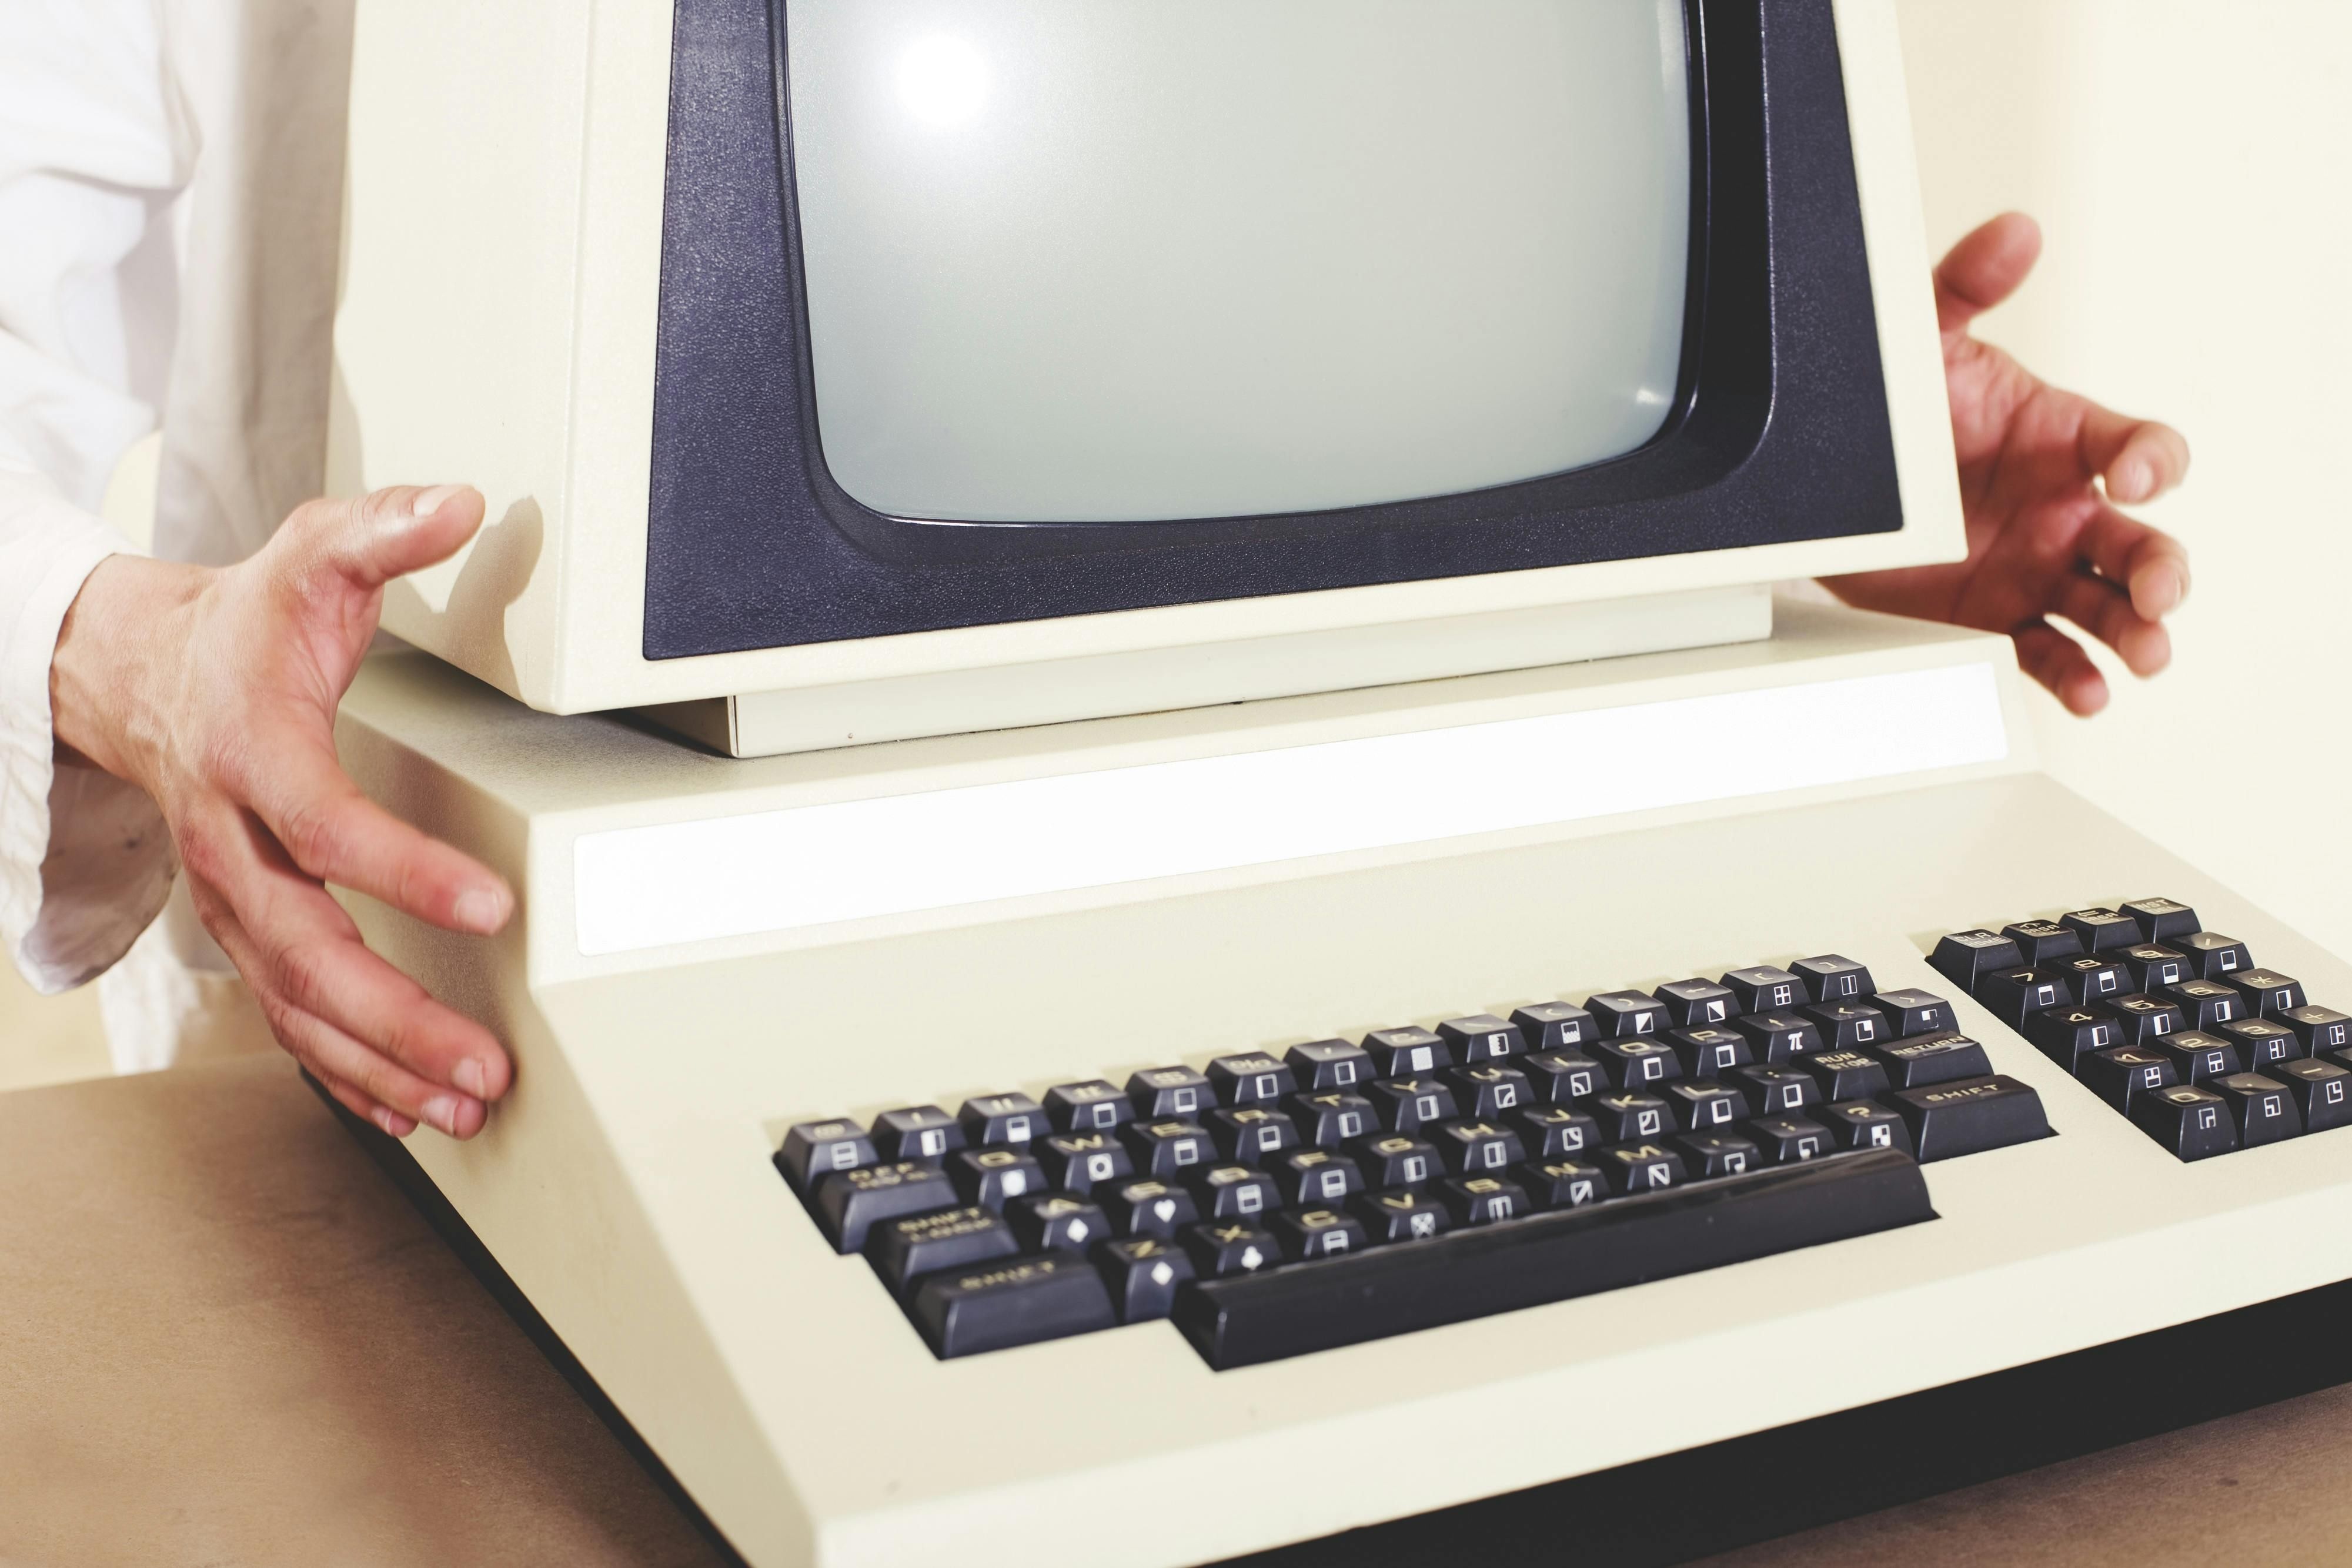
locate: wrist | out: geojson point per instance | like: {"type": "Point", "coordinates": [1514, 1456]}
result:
{"type": "Point", "coordinates": [119, 661]}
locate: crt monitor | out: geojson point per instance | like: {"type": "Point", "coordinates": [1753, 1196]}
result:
{"type": "Point", "coordinates": [821, 344]}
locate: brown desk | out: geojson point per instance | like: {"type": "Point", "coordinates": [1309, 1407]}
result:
{"type": "Point", "coordinates": [226, 1338]}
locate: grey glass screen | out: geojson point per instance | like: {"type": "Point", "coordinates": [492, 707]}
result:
{"type": "Point", "coordinates": [1131, 260]}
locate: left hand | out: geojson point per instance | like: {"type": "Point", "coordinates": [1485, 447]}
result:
{"type": "Point", "coordinates": [2040, 469]}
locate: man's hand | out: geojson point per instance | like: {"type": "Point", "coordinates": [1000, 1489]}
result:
{"type": "Point", "coordinates": [216, 690]}
{"type": "Point", "coordinates": [2043, 538]}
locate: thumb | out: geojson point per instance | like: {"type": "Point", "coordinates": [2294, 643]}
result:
{"type": "Point", "coordinates": [368, 542]}
{"type": "Point", "coordinates": [1985, 269]}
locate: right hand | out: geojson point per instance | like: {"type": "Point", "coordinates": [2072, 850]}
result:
{"type": "Point", "coordinates": [215, 689]}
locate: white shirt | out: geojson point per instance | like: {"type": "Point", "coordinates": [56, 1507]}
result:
{"type": "Point", "coordinates": [170, 189]}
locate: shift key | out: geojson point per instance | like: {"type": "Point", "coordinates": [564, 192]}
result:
{"type": "Point", "coordinates": [1970, 1116]}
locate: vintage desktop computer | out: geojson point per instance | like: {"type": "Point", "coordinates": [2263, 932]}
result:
{"type": "Point", "coordinates": [1180, 889]}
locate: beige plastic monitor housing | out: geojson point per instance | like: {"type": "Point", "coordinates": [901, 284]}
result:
{"type": "Point", "coordinates": [496, 325]}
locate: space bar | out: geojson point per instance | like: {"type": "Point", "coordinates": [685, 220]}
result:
{"type": "Point", "coordinates": [1469, 1273]}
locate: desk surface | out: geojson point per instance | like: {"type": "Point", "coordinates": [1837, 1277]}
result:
{"type": "Point", "coordinates": [227, 1340]}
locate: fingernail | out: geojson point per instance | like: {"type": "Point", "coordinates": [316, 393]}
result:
{"type": "Point", "coordinates": [432, 500]}
{"type": "Point", "coordinates": [470, 1078]}
{"type": "Point", "coordinates": [442, 1111]}
{"type": "Point", "coordinates": [383, 1119]}
{"type": "Point", "coordinates": [2130, 481]}
{"type": "Point", "coordinates": [482, 909]}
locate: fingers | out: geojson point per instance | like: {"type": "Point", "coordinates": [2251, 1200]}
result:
{"type": "Point", "coordinates": [389, 533]}
{"type": "Point", "coordinates": [2137, 459]}
{"type": "Point", "coordinates": [338, 835]}
{"type": "Point", "coordinates": [2105, 611]}
{"type": "Point", "coordinates": [360, 1105]}
{"type": "Point", "coordinates": [1984, 269]}
{"type": "Point", "coordinates": [2058, 661]}
{"type": "Point", "coordinates": [2149, 564]}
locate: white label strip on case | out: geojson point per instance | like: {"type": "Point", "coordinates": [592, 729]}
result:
{"type": "Point", "coordinates": [747, 875]}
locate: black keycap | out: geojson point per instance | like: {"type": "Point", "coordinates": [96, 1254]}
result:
{"type": "Point", "coordinates": [2321, 1029]}
{"type": "Point", "coordinates": [1909, 1012]}
{"type": "Point", "coordinates": [1555, 1026]}
{"type": "Point", "coordinates": [1562, 1182]}
{"type": "Point", "coordinates": [2214, 957]}
{"type": "Point", "coordinates": [1833, 978]}
{"type": "Point", "coordinates": [1558, 1077]}
{"type": "Point", "coordinates": [1566, 1253]}
{"type": "Point", "coordinates": [1310, 1177]}
{"type": "Point", "coordinates": [1637, 1061]}
{"type": "Point", "coordinates": [1149, 1208]}
{"type": "Point", "coordinates": [1166, 1093]}
{"type": "Point", "coordinates": [2100, 929]}
{"type": "Point", "coordinates": [1003, 1119]}
{"type": "Point", "coordinates": [2122, 1073]}
{"type": "Point", "coordinates": [2161, 919]}
{"type": "Point", "coordinates": [1846, 1074]}
{"type": "Point", "coordinates": [1705, 1051]}
{"type": "Point", "coordinates": [2261, 1108]}
{"type": "Point", "coordinates": [2043, 942]}
{"type": "Point", "coordinates": [1621, 1014]}
{"type": "Point", "coordinates": [2322, 1092]}
{"type": "Point", "coordinates": [815, 1149]}
{"type": "Point", "coordinates": [1641, 1167]}
{"type": "Point", "coordinates": [1167, 1148]}
{"type": "Point", "coordinates": [1949, 1119]}
{"type": "Point", "coordinates": [2263, 1043]}
{"type": "Point", "coordinates": [1081, 1162]}
{"type": "Point", "coordinates": [2206, 1004]}
{"type": "Point", "coordinates": [1864, 1124]}
{"type": "Point", "coordinates": [1484, 1199]}
{"type": "Point", "coordinates": [2014, 995]}
{"type": "Point", "coordinates": [1251, 1134]}
{"type": "Point", "coordinates": [849, 1204]}
{"type": "Point", "coordinates": [2091, 977]}
{"type": "Point", "coordinates": [1966, 957]}
{"type": "Point", "coordinates": [2067, 1035]}
{"type": "Point", "coordinates": [1775, 1090]}
{"type": "Point", "coordinates": [1490, 1089]}
{"type": "Point", "coordinates": [1222, 1252]}
{"type": "Point", "coordinates": [2153, 968]}
{"type": "Point", "coordinates": [2144, 1018]}
{"type": "Point", "coordinates": [1789, 1140]}
{"type": "Point", "coordinates": [1324, 1065]}
{"type": "Point", "coordinates": [1329, 1119]}
{"type": "Point", "coordinates": [1557, 1131]}
{"type": "Point", "coordinates": [1847, 1025]}
{"type": "Point", "coordinates": [2193, 1124]}
{"type": "Point", "coordinates": [917, 1133]}
{"type": "Point", "coordinates": [1478, 1148]}
{"type": "Point", "coordinates": [1633, 1115]}
{"type": "Point", "coordinates": [1407, 1053]}
{"type": "Point", "coordinates": [1409, 1104]}
{"type": "Point", "coordinates": [1395, 1160]}
{"type": "Point", "coordinates": [1093, 1107]}
{"type": "Point", "coordinates": [1056, 1222]}
{"type": "Point", "coordinates": [1701, 1105]}
{"type": "Point", "coordinates": [1407, 1214]}
{"type": "Point", "coordinates": [1017, 1301]}
{"type": "Point", "coordinates": [1936, 1058]}
{"type": "Point", "coordinates": [1482, 1037]}
{"type": "Point", "coordinates": [2195, 1055]}
{"type": "Point", "coordinates": [1762, 987]}
{"type": "Point", "coordinates": [993, 1175]}
{"type": "Point", "coordinates": [1252, 1078]}
{"type": "Point", "coordinates": [1307, 1234]}
{"type": "Point", "coordinates": [1142, 1275]}
{"type": "Point", "coordinates": [1777, 1036]}
{"type": "Point", "coordinates": [1695, 1004]}
{"type": "Point", "coordinates": [1707, 1155]}
{"type": "Point", "coordinates": [1230, 1193]}
{"type": "Point", "coordinates": [2267, 992]}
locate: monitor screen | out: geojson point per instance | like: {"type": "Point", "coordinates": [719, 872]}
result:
{"type": "Point", "coordinates": [1133, 261]}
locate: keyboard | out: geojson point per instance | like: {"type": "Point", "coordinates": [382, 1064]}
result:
{"type": "Point", "coordinates": [1341, 1191]}
{"type": "Point", "coordinates": [2175, 1027]}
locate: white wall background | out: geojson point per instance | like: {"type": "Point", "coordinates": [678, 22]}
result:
{"type": "Point", "coordinates": [2191, 165]}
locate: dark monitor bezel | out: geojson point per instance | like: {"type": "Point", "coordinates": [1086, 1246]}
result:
{"type": "Point", "coordinates": [1779, 431]}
